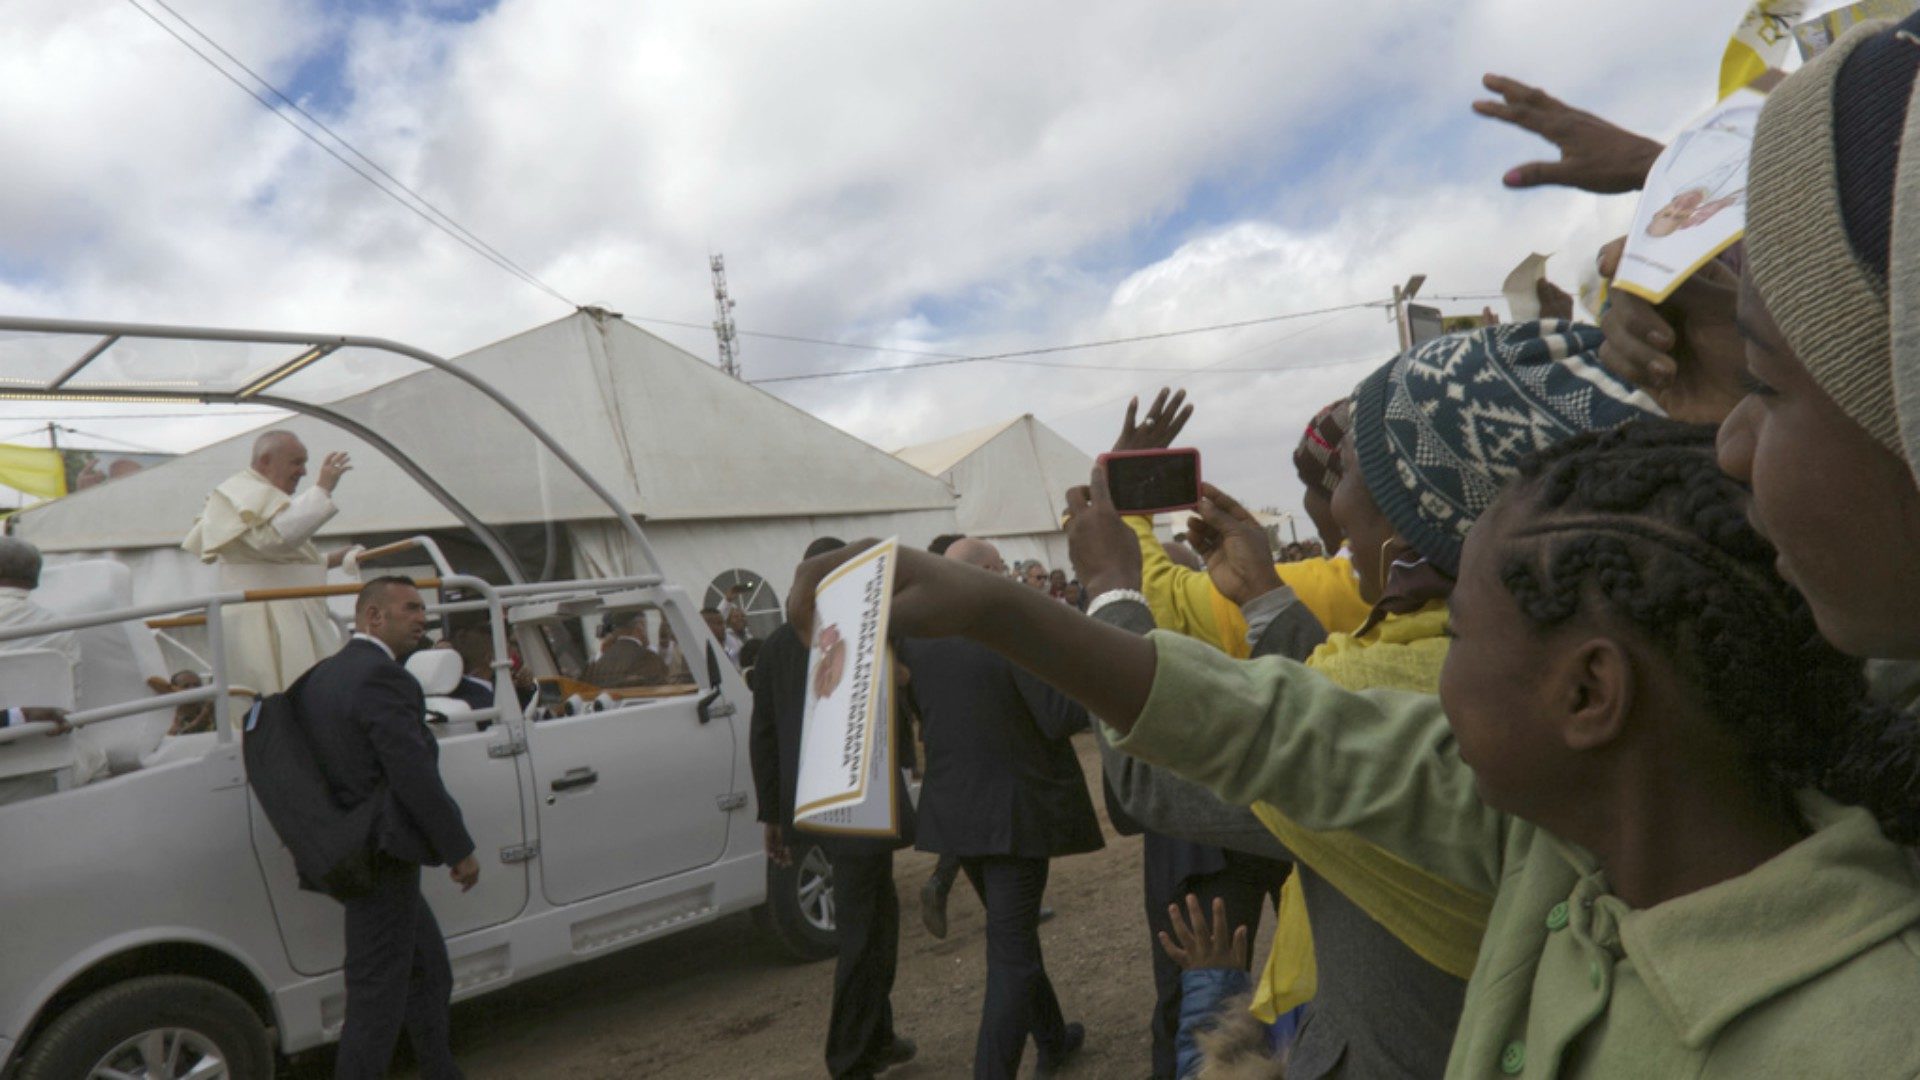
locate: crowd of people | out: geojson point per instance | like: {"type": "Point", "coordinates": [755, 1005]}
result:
{"type": "Point", "coordinates": [1579, 741]}
{"type": "Point", "coordinates": [1595, 752]}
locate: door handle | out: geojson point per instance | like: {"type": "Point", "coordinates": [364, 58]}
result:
{"type": "Point", "coordinates": [576, 778]}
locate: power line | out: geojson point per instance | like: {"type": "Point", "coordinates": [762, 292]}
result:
{"type": "Point", "coordinates": [1017, 355]}
{"type": "Point", "coordinates": [475, 244]}
{"type": "Point", "coordinates": [802, 339]}
{"type": "Point", "coordinates": [141, 447]}
{"type": "Point", "coordinates": [355, 151]}
{"type": "Point", "coordinates": [1220, 365]}
{"type": "Point", "coordinates": [446, 223]}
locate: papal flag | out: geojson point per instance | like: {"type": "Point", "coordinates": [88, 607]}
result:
{"type": "Point", "coordinates": [33, 470]}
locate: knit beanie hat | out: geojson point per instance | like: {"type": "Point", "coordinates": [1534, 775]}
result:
{"type": "Point", "coordinates": [1820, 214]}
{"type": "Point", "coordinates": [1440, 428]}
{"type": "Point", "coordinates": [1317, 458]}
{"type": "Point", "coordinates": [1904, 274]}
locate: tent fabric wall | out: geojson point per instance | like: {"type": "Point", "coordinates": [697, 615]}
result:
{"type": "Point", "coordinates": [1012, 480]}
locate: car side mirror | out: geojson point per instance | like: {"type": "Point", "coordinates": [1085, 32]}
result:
{"type": "Point", "coordinates": [705, 707]}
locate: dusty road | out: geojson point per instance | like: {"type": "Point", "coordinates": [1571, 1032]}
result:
{"type": "Point", "coordinates": [713, 1003]}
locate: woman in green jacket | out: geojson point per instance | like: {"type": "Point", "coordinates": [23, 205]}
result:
{"type": "Point", "coordinates": [1644, 754]}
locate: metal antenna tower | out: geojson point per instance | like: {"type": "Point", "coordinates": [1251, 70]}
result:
{"type": "Point", "coordinates": [723, 318]}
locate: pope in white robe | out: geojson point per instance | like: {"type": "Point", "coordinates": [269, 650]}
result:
{"type": "Point", "coordinates": [260, 533]}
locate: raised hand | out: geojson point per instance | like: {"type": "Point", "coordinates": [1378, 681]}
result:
{"type": "Point", "coordinates": [1196, 944]}
{"type": "Point", "coordinates": [1235, 546]}
{"type": "Point", "coordinates": [1555, 302]}
{"type": "Point", "coordinates": [1165, 417]}
{"type": "Point", "coordinates": [1595, 155]}
{"type": "Point", "coordinates": [1686, 353]}
{"type": "Point", "coordinates": [1105, 552]}
{"type": "Point", "coordinates": [337, 465]}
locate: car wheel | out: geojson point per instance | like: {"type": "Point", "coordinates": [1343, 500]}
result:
{"type": "Point", "coordinates": [163, 1027]}
{"type": "Point", "coordinates": [799, 913]}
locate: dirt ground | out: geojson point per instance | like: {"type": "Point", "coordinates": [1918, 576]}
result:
{"type": "Point", "coordinates": [715, 1003]}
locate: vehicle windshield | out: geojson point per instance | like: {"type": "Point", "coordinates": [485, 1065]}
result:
{"type": "Point", "coordinates": [431, 451]}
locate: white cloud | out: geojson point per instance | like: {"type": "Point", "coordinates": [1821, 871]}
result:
{"type": "Point", "coordinates": [867, 167]}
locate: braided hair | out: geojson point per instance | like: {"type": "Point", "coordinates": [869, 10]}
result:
{"type": "Point", "coordinates": [1639, 522]}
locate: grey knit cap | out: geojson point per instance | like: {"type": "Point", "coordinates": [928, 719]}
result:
{"type": "Point", "coordinates": [1819, 204]}
{"type": "Point", "coordinates": [1904, 276]}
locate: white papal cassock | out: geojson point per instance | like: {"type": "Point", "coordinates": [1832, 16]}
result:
{"type": "Point", "coordinates": [262, 540]}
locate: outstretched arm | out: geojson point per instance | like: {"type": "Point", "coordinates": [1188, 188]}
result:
{"type": "Point", "coordinates": [1595, 155]}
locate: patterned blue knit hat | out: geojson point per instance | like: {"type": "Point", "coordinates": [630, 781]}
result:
{"type": "Point", "coordinates": [1440, 428]}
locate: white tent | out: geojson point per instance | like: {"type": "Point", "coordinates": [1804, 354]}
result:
{"type": "Point", "coordinates": [1012, 479]}
{"type": "Point", "coordinates": [727, 477]}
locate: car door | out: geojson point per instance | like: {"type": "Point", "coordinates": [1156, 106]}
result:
{"type": "Point", "coordinates": [487, 785]}
{"type": "Point", "coordinates": [635, 793]}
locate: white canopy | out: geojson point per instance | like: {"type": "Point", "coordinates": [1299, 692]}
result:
{"type": "Point", "coordinates": [726, 476]}
{"type": "Point", "coordinates": [1012, 479]}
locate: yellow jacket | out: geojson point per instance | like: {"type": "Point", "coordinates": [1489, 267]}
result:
{"type": "Point", "coordinates": [1186, 601]}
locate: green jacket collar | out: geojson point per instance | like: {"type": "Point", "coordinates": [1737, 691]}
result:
{"type": "Point", "coordinates": [1712, 955]}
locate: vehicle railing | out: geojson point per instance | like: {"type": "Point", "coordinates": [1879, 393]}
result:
{"type": "Point", "coordinates": [425, 543]}
{"type": "Point", "coordinates": [494, 599]}
{"type": "Point", "coordinates": [317, 347]}
{"type": "Point", "coordinates": [220, 690]}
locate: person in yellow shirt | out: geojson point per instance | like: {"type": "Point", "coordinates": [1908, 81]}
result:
{"type": "Point", "coordinates": [1186, 600]}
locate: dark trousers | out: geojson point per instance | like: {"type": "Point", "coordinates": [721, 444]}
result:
{"type": "Point", "coordinates": [1020, 1000]}
{"type": "Point", "coordinates": [1247, 884]}
{"type": "Point", "coordinates": [945, 871]}
{"type": "Point", "coordinates": [397, 976]}
{"type": "Point", "coordinates": [866, 913]}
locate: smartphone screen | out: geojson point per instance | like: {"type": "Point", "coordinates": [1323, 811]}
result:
{"type": "Point", "coordinates": [1141, 483]}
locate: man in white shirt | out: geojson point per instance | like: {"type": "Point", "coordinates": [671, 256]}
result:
{"type": "Point", "coordinates": [19, 576]}
{"type": "Point", "coordinates": [260, 532]}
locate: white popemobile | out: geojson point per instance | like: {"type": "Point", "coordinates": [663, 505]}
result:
{"type": "Point", "coordinates": [154, 927]}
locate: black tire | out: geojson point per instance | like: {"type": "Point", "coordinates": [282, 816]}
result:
{"type": "Point", "coordinates": [83, 1037]}
{"type": "Point", "coordinates": [798, 914]}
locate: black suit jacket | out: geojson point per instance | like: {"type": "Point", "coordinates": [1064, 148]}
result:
{"type": "Point", "coordinates": [1001, 777]}
{"type": "Point", "coordinates": [366, 717]}
{"type": "Point", "coordinates": [773, 743]}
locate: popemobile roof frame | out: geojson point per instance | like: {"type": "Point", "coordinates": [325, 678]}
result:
{"type": "Point", "coordinates": [254, 387]}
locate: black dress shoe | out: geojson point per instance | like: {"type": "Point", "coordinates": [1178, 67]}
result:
{"type": "Point", "coordinates": [1074, 1038]}
{"type": "Point", "coordinates": [898, 1052]}
{"type": "Point", "coordinates": [933, 907]}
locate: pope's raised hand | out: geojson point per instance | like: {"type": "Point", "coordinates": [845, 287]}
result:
{"type": "Point", "coordinates": [336, 465]}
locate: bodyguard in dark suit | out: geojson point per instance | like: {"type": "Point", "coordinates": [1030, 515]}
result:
{"type": "Point", "coordinates": [366, 717]}
{"type": "Point", "coordinates": [1005, 793]}
{"type": "Point", "coordinates": [861, 1040]}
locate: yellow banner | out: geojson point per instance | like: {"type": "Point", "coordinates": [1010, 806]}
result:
{"type": "Point", "coordinates": [32, 470]}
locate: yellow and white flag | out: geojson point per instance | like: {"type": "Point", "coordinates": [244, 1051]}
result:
{"type": "Point", "coordinates": [33, 470]}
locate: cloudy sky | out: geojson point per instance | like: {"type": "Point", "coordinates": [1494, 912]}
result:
{"type": "Point", "coordinates": [950, 177]}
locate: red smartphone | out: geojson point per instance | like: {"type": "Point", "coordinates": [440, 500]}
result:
{"type": "Point", "coordinates": [1153, 481]}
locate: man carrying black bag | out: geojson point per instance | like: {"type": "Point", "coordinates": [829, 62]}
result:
{"type": "Point", "coordinates": [365, 717]}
